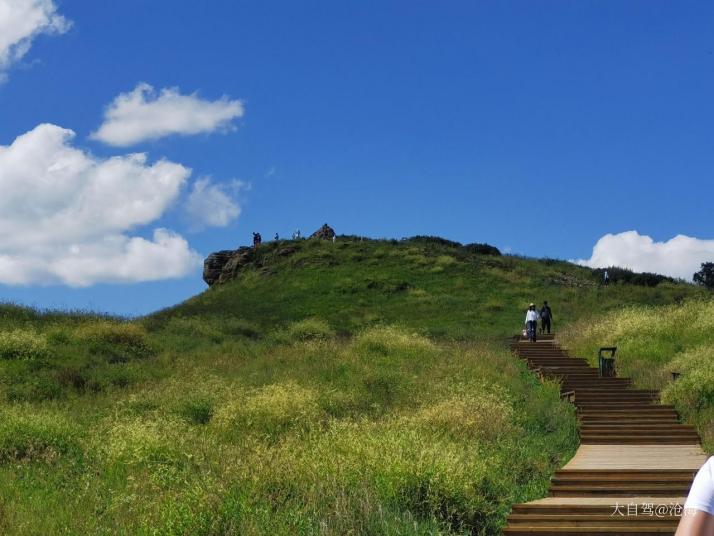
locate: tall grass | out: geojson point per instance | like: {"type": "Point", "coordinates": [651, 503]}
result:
{"type": "Point", "coordinates": [652, 343]}
{"type": "Point", "coordinates": [385, 433]}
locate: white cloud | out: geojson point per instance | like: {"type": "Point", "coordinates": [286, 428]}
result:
{"type": "Point", "coordinates": [210, 205]}
{"type": "Point", "coordinates": [65, 215]}
{"type": "Point", "coordinates": [680, 256]}
{"type": "Point", "coordinates": [142, 115]}
{"type": "Point", "coordinates": [23, 20]}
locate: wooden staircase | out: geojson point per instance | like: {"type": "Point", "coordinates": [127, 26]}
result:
{"type": "Point", "coordinates": [635, 465]}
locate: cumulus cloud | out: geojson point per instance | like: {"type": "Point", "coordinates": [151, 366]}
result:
{"type": "Point", "coordinates": [65, 216]}
{"type": "Point", "coordinates": [211, 205]}
{"type": "Point", "coordinates": [23, 20]}
{"type": "Point", "coordinates": [680, 256]}
{"type": "Point", "coordinates": [143, 114]}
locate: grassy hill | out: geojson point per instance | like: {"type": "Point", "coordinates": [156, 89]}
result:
{"type": "Point", "coordinates": [359, 387]}
{"type": "Point", "coordinates": [440, 288]}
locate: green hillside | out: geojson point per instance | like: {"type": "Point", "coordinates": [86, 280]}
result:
{"type": "Point", "coordinates": [361, 387]}
{"type": "Point", "coordinates": [437, 287]}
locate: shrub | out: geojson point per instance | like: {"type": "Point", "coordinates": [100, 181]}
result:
{"type": "Point", "coordinates": [705, 276]}
{"type": "Point", "coordinates": [388, 340]}
{"type": "Point", "coordinates": [269, 410]}
{"type": "Point", "coordinates": [30, 434]}
{"type": "Point", "coordinates": [197, 411]}
{"type": "Point", "coordinates": [194, 330]}
{"type": "Point", "coordinates": [118, 342]}
{"type": "Point", "coordinates": [482, 249]}
{"type": "Point", "coordinates": [23, 344]}
{"type": "Point", "coordinates": [436, 240]}
{"type": "Point", "coordinates": [482, 412]}
{"type": "Point", "coordinates": [148, 442]}
{"type": "Point", "coordinates": [643, 279]}
{"type": "Point", "coordinates": [309, 329]}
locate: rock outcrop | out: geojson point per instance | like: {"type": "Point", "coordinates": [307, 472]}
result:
{"type": "Point", "coordinates": [324, 233]}
{"type": "Point", "coordinates": [238, 260]}
{"type": "Point", "coordinates": [226, 265]}
{"type": "Point", "coordinates": [222, 266]}
{"type": "Point", "coordinates": [213, 265]}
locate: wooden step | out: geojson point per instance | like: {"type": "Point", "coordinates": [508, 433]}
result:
{"type": "Point", "coordinates": [625, 474]}
{"type": "Point", "coordinates": [638, 440]}
{"type": "Point", "coordinates": [587, 508]}
{"type": "Point", "coordinates": [614, 419]}
{"type": "Point", "coordinates": [637, 426]}
{"type": "Point", "coordinates": [586, 520]}
{"type": "Point", "coordinates": [596, 420]}
{"type": "Point", "coordinates": [640, 530]}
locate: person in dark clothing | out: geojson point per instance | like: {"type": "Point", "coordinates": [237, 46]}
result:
{"type": "Point", "coordinates": [546, 315]}
{"type": "Point", "coordinates": [257, 239]}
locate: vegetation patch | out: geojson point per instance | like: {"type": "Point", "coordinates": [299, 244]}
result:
{"type": "Point", "coordinates": [28, 435]}
{"type": "Point", "coordinates": [654, 342]}
{"type": "Point", "coordinates": [23, 344]}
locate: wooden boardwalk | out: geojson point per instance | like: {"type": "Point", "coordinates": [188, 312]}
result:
{"type": "Point", "coordinates": [635, 464]}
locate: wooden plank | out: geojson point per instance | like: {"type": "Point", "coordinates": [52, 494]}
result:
{"type": "Point", "coordinates": [638, 457]}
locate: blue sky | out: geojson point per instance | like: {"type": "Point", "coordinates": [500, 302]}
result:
{"type": "Point", "coordinates": [539, 127]}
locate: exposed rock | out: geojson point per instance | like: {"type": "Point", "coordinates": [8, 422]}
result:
{"type": "Point", "coordinates": [213, 265]}
{"type": "Point", "coordinates": [324, 233]}
{"type": "Point", "coordinates": [223, 266]}
{"type": "Point", "coordinates": [227, 265]}
{"type": "Point", "coordinates": [238, 260]}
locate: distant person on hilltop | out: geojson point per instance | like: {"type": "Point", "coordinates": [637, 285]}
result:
{"type": "Point", "coordinates": [606, 278]}
{"type": "Point", "coordinates": [257, 239]}
{"type": "Point", "coordinates": [546, 315]}
{"type": "Point", "coordinates": [277, 237]}
{"type": "Point", "coordinates": [531, 322]}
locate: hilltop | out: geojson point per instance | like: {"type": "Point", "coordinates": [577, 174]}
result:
{"type": "Point", "coordinates": [439, 287]}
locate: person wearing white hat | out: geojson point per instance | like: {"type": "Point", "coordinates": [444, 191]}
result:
{"type": "Point", "coordinates": [532, 322]}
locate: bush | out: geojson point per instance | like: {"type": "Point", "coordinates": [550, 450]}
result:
{"type": "Point", "coordinates": [309, 329]}
{"type": "Point", "coordinates": [118, 342]}
{"type": "Point", "coordinates": [435, 240]}
{"type": "Point", "coordinates": [391, 340]}
{"type": "Point", "coordinates": [643, 279]}
{"type": "Point", "coordinates": [147, 442]}
{"type": "Point", "coordinates": [29, 434]}
{"type": "Point", "coordinates": [705, 276]}
{"type": "Point", "coordinates": [269, 410]}
{"type": "Point", "coordinates": [22, 344]}
{"type": "Point", "coordinates": [482, 249]}
{"type": "Point", "coordinates": [197, 411]}
{"type": "Point", "coordinates": [482, 412]}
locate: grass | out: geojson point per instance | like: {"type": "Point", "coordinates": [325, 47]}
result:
{"type": "Point", "coordinates": [652, 343]}
{"type": "Point", "coordinates": [438, 289]}
{"type": "Point", "coordinates": [348, 388]}
{"type": "Point", "coordinates": [388, 432]}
